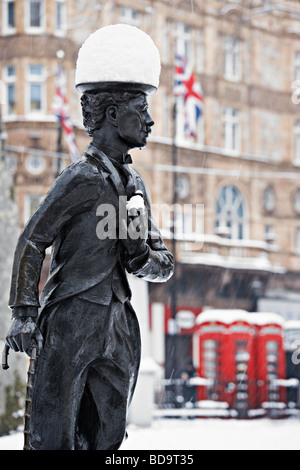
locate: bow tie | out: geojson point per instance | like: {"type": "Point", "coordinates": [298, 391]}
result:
{"type": "Point", "coordinates": [123, 159]}
{"type": "Point", "coordinates": [126, 158]}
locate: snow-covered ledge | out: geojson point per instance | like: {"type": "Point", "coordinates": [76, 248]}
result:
{"type": "Point", "coordinates": [259, 263]}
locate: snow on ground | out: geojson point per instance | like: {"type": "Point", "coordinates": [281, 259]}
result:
{"type": "Point", "coordinates": [216, 434]}
{"type": "Point", "coordinates": [203, 434]}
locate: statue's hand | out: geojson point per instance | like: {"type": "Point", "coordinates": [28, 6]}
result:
{"type": "Point", "coordinates": [135, 227]}
{"type": "Point", "coordinates": [135, 249]}
{"type": "Point", "coordinates": [24, 335]}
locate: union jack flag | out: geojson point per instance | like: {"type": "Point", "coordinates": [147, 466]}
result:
{"type": "Point", "coordinates": [185, 85]}
{"type": "Point", "coordinates": [61, 111]}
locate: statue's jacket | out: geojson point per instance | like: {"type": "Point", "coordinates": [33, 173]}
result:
{"type": "Point", "coordinates": [82, 264]}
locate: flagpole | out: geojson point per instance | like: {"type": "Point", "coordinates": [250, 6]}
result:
{"type": "Point", "coordinates": [184, 86]}
{"type": "Point", "coordinates": [174, 247]}
{"type": "Point", "coordinates": [60, 54]}
{"type": "Point", "coordinates": [59, 146]}
{"type": "Point", "coordinates": [172, 331]}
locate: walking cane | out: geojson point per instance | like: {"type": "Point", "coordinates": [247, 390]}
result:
{"type": "Point", "coordinates": [5, 353]}
{"type": "Point", "coordinates": [30, 378]}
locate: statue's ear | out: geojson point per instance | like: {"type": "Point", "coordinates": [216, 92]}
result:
{"type": "Point", "coordinates": [111, 114]}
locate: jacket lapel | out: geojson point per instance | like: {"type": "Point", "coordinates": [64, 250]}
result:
{"type": "Point", "coordinates": [107, 168]}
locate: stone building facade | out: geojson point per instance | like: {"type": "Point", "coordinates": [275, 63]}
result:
{"type": "Point", "coordinates": [238, 187]}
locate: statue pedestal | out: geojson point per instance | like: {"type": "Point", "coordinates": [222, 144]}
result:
{"type": "Point", "coordinates": [141, 410]}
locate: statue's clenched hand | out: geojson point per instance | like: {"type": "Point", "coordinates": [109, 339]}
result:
{"type": "Point", "coordinates": [24, 334]}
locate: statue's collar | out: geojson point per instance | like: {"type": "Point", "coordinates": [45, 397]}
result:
{"type": "Point", "coordinates": [107, 167]}
{"type": "Point", "coordinates": [111, 153]}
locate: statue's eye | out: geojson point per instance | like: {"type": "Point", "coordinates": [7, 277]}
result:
{"type": "Point", "coordinates": [143, 109]}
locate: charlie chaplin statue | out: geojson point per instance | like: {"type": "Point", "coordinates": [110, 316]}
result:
{"type": "Point", "coordinates": [84, 326]}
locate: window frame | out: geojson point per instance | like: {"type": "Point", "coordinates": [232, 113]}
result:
{"type": "Point", "coordinates": [200, 51]}
{"type": "Point", "coordinates": [128, 17]}
{"type": "Point", "coordinates": [35, 29]}
{"type": "Point", "coordinates": [165, 55]}
{"type": "Point", "coordinates": [227, 216]}
{"type": "Point", "coordinates": [180, 125]}
{"type": "Point", "coordinates": [297, 65]}
{"type": "Point", "coordinates": [6, 29]}
{"type": "Point", "coordinates": [231, 129]}
{"type": "Point", "coordinates": [232, 58]}
{"type": "Point", "coordinates": [35, 79]}
{"type": "Point", "coordinates": [183, 41]}
{"type": "Point", "coordinates": [60, 30]}
{"type": "Point", "coordinates": [9, 80]}
{"type": "Point", "coordinates": [28, 206]}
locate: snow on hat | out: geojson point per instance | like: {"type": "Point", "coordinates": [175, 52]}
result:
{"type": "Point", "coordinates": [118, 54]}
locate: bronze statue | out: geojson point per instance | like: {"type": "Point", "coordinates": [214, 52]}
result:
{"type": "Point", "coordinates": [84, 327]}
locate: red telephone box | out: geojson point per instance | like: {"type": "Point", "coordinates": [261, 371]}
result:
{"type": "Point", "coordinates": [243, 354]}
{"type": "Point", "coordinates": [239, 364]}
{"type": "Point", "coordinates": [270, 358]}
{"type": "Point", "coordinates": [226, 340]}
{"type": "Point", "coordinates": [210, 330]}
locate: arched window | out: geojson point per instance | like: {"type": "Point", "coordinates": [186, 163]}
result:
{"type": "Point", "coordinates": [231, 213]}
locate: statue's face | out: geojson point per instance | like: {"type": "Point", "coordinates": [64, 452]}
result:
{"type": "Point", "coordinates": [134, 123]}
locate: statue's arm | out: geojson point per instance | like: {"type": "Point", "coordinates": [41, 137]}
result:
{"type": "Point", "coordinates": [156, 263]}
{"type": "Point", "coordinates": [71, 194]}
{"type": "Point", "coordinates": [151, 259]}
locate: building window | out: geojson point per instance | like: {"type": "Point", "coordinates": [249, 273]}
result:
{"type": "Point", "coordinates": [200, 52]}
{"type": "Point", "coordinates": [60, 16]}
{"type": "Point", "coordinates": [9, 80]}
{"type": "Point", "coordinates": [35, 16]}
{"type": "Point", "coordinates": [36, 96]}
{"type": "Point", "coordinates": [184, 223]}
{"type": "Point", "coordinates": [183, 125]}
{"type": "Point", "coordinates": [269, 200]}
{"type": "Point", "coordinates": [183, 186]}
{"type": "Point", "coordinates": [8, 17]}
{"type": "Point", "coordinates": [232, 58]}
{"type": "Point", "coordinates": [11, 14]}
{"type": "Point", "coordinates": [183, 41]}
{"type": "Point", "coordinates": [165, 56]}
{"type": "Point", "coordinates": [231, 214]}
{"type": "Point", "coordinates": [131, 16]}
{"type": "Point", "coordinates": [297, 66]}
{"type": "Point", "coordinates": [231, 129]}
{"type": "Point", "coordinates": [270, 235]}
{"type": "Point", "coordinates": [296, 201]}
{"type": "Point", "coordinates": [297, 143]}
{"type": "Point", "coordinates": [30, 204]}
{"type": "Point", "coordinates": [11, 98]}
{"type": "Point", "coordinates": [35, 165]}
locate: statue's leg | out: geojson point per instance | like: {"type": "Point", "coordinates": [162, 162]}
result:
{"type": "Point", "coordinates": [103, 411]}
{"type": "Point", "coordinates": [71, 332]}
{"type": "Point", "coordinates": [111, 381]}
{"type": "Point", "coordinates": [85, 376]}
